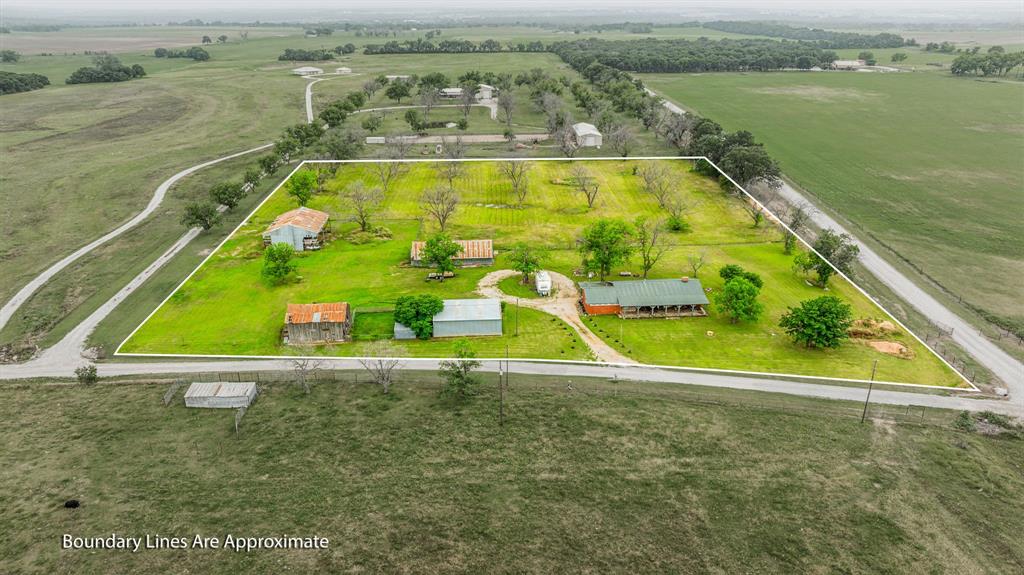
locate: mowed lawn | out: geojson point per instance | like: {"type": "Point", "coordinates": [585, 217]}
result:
{"type": "Point", "coordinates": [925, 163]}
{"type": "Point", "coordinates": [579, 479]}
{"type": "Point", "coordinates": [226, 308]}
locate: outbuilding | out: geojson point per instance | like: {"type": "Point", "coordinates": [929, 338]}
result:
{"type": "Point", "coordinates": [485, 92]}
{"type": "Point", "coordinates": [451, 93]}
{"type": "Point", "coordinates": [303, 228]}
{"type": "Point", "coordinates": [468, 317]}
{"type": "Point", "coordinates": [475, 253]}
{"type": "Point", "coordinates": [220, 394]}
{"type": "Point", "coordinates": [316, 323]}
{"type": "Point", "coordinates": [308, 71]}
{"type": "Point", "coordinates": [848, 64]}
{"type": "Point", "coordinates": [645, 298]}
{"type": "Point", "coordinates": [542, 283]}
{"type": "Point", "coordinates": [402, 77]}
{"type": "Point", "coordinates": [587, 135]}
{"type": "Point", "coordinates": [343, 70]}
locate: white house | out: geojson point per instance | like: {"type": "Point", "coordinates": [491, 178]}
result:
{"type": "Point", "coordinates": [848, 64]}
{"type": "Point", "coordinates": [587, 135]}
{"type": "Point", "coordinates": [343, 70]}
{"type": "Point", "coordinates": [218, 394]}
{"type": "Point", "coordinates": [542, 282]}
{"type": "Point", "coordinates": [393, 77]}
{"type": "Point", "coordinates": [485, 92]}
{"type": "Point", "coordinates": [308, 71]}
{"type": "Point", "coordinates": [451, 93]}
{"type": "Point", "coordinates": [303, 229]}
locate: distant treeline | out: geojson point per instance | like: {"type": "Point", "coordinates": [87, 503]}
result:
{"type": "Point", "coordinates": [829, 39]}
{"type": "Point", "coordinates": [106, 68]}
{"type": "Point", "coordinates": [424, 46]}
{"type": "Point", "coordinates": [195, 52]}
{"type": "Point", "coordinates": [300, 55]}
{"type": "Point", "coordinates": [12, 82]}
{"type": "Point", "coordinates": [703, 55]}
{"type": "Point", "coordinates": [996, 62]}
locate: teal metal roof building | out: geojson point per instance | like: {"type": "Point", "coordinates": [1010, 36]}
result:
{"type": "Point", "coordinates": [645, 298]}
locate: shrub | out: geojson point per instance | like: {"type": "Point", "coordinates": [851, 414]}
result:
{"type": "Point", "coordinates": [964, 422]}
{"type": "Point", "coordinates": [86, 374]}
{"type": "Point", "coordinates": [417, 312]}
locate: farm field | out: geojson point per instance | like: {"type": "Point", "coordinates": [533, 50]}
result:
{"type": "Point", "coordinates": [925, 164]}
{"type": "Point", "coordinates": [649, 478]}
{"type": "Point", "coordinates": [225, 308]}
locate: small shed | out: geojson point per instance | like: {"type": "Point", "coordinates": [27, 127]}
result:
{"type": "Point", "coordinates": [542, 283]}
{"type": "Point", "coordinates": [343, 70]}
{"type": "Point", "coordinates": [403, 332]}
{"type": "Point", "coordinates": [316, 323]}
{"type": "Point", "coordinates": [302, 228]}
{"type": "Point", "coordinates": [308, 71]}
{"type": "Point", "coordinates": [468, 317]}
{"type": "Point", "coordinates": [475, 253]}
{"type": "Point", "coordinates": [485, 92]}
{"type": "Point", "coordinates": [587, 135]}
{"type": "Point", "coordinates": [451, 93]}
{"type": "Point", "coordinates": [220, 394]}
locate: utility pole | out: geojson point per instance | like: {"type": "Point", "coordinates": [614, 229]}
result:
{"type": "Point", "coordinates": [870, 385]}
{"type": "Point", "coordinates": [517, 328]}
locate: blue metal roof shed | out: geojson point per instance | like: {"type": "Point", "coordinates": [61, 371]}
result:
{"type": "Point", "coordinates": [468, 317]}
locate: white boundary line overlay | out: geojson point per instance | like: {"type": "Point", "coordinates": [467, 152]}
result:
{"type": "Point", "coordinates": [777, 220]}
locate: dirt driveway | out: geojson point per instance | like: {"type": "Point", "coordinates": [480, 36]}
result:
{"type": "Point", "coordinates": [561, 305]}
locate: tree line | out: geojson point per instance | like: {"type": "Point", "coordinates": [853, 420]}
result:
{"type": "Point", "coordinates": [702, 55]}
{"type": "Point", "coordinates": [13, 82]}
{"type": "Point", "coordinates": [995, 62]}
{"type": "Point", "coordinates": [195, 52]}
{"type": "Point", "coordinates": [106, 68]}
{"type": "Point", "coordinates": [426, 46]}
{"type": "Point", "coordinates": [829, 39]}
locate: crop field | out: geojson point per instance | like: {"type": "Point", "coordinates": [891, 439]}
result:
{"type": "Point", "coordinates": [581, 477]}
{"type": "Point", "coordinates": [923, 163]}
{"type": "Point", "coordinates": [226, 308]}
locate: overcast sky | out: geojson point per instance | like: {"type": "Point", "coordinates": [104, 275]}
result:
{"type": "Point", "coordinates": [149, 11]}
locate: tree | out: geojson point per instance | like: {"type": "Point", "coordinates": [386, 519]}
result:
{"type": "Point", "coordinates": [900, 56]}
{"type": "Point", "coordinates": [449, 171]}
{"type": "Point", "coordinates": [417, 312]}
{"type": "Point", "coordinates": [440, 203]}
{"type": "Point", "coordinates": [649, 242]}
{"type": "Point", "coordinates": [207, 40]}
{"type": "Point", "coordinates": [305, 369]}
{"type": "Point", "coordinates": [751, 164]}
{"type": "Point", "coordinates": [467, 100]}
{"type": "Point", "coordinates": [200, 215]}
{"type": "Point", "coordinates": [517, 173]}
{"type": "Point", "coordinates": [373, 122]}
{"type": "Point", "coordinates": [251, 178]}
{"type": "Point", "coordinates": [677, 207]}
{"type": "Point", "coordinates": [554, 111]}
{"type": "Point", "coordinates": [301, 185]}
{"type": "Point", "coordinates": [343, 145]}
{"type": "Point", "coordinates": [655, 178]}
{"type": "Point", "coordinates": [363, 202]}
{"type": "Point", "coordinates": [838, 249]}
{"type": "Point", "coordinates": [412, 117]}
{"type": "Point", "coordinates": [507, 105]}
{"type": "Point", "coordinates": [439, 253]}
{"type": "Point", "coordinates": [527, 259]}
{"type": "Point", "coordinates": [277, 262]}
{"type": "Point", "coordinates": [227, 194]}
{"type": "Point", "coordinates": [565, 138]}
{"type": "Point", "coordinates": [621, 139]}
{"type": "Point", "coordinates": [86, 374]}
{"type": "Point", "coordinates": [223, 38]}
{"type": "Point", "coordinates": [821, 322]}
{"type": "Point", "coordinates": [370, 87]}
{"type": "Point", "coordinates": [397, 90]}
{"type": "Point", "coordinates": [9, 56]}
{"type": "Point", "coordinates": [388, 171]}
{"type": "Point", "coordinates": [738, 300]}
{"type": "Point", "coordinates": [453, 148]}
{"type": "Point", "coordinates": [269, 163]}
{"type": "Point", "coordinates": [460, 381]}
{"type": "Point", "coordinates": [729, 271]}
{"type": "Point", "coordinates": [798, 219]}
{"type": "Point", "coordinates": [333, 115]}
{"type": "Point", "coordinates": [585, 183]}
{"type": "Point", "coordinates": [868, 57]}
{"type": "Point", "coordinates": [754, 210]}
{"type": "Point", "coordinates": [428, 99]}
{"type": "Point", "coordinates": [382, 363]}
{"type": "Point", "coordinates": [604, 245]}
{"type": "Point", "coordinates": [697, 261]}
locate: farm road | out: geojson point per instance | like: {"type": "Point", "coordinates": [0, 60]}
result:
{"type": "Point", "coordinates": [1000, 363]}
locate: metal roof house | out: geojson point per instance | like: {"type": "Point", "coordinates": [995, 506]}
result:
{"type": "Point", "coordinates": [645, 298]}
{"type": "Point", "coordinates": [542, 283]}
{"type": "Point", "coordinates": [303, 228]}
{"type": "Point", "coordinates": [343, 70]}
{"type": "Point", "coordinates": [462, 318]}
{"type": "Point", "coordinates": [220, 394]}
{"type": "Point", "coordinates": [316, 323]}
{"type": "Point", "coordinates": [451, 93]}
{"type": "Point", "coordinates": [475, 253]}
{"type": "Point", "coordinates": [587, 135]}
{"type": "Point", "coordinates": [308, 71]}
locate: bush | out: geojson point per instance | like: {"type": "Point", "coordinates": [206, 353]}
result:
{"type": "Point", "coordinates": [86, 374]}
{"type": "Point", "coordinates": [417, 312]}
{"type": "Point", "coordinates": [12, 82]}
{"type": "Point", "coordinates": [964, 422]}
{"type": "Point", "coordinates": [677, 224]}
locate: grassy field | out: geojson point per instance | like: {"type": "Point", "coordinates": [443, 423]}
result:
{"type": "Point", "coordinates": [925, 164]}
{"type": "Point", "coordinates": [225, 308]}
{"type": "Point", "coordinates": [645, 479]}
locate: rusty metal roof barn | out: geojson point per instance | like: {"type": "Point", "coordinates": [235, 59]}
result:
{"type": "Point", "coordinates": [471, 250]}
{"type": "Point", "coordinates": [316, 313]}
{"type": "Point", "coordinates": [304, 218]}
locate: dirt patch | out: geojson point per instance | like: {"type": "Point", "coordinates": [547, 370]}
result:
{"type": "Point", "coordinates": [820, 93]}
{"type": "Point", "coordinates": [894, 348]}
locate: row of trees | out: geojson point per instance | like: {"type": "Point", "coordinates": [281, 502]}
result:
{"type": "Point", "coordinates": [426, 46]}
{"type": "Point", "coordinates": [13, 82]}
{"type": "Point", "coordinates": [702, 55]}
{"type": "Point", "coordinates": [9, 56]}
{"type": "Point", "coordinates": [106, 68]}
{"type": "Point", "coordinates": [302, 55]}
{"type": "Point", "coordinates": [195, 52]}
{"type": "Point", "coordinates": [993, 63]}
{"type": "Point", "coordinates": [822, 38]}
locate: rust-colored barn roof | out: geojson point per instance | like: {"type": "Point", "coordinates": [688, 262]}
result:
{"type": "Point", "coordinates": [304, 218]}
{"type": "Point", "coordinates": [316, 312]}
{"type": "Point", "coordinates": [471, 250]}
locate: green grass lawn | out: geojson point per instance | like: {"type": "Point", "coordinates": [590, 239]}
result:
{"type": "Point", "coordinates": [924, 163]}
{"type": "Point", "coordinates": [648, 479]}
{"type": "Point", "coordinates": [225, 308]}
{"type": "Point", "coordinates": [513, 286]}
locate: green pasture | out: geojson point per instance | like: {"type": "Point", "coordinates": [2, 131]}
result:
{"type": "Point", "coordinates": [927, 165]}
{"type": "Point", "coordinates": [225, 308]}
